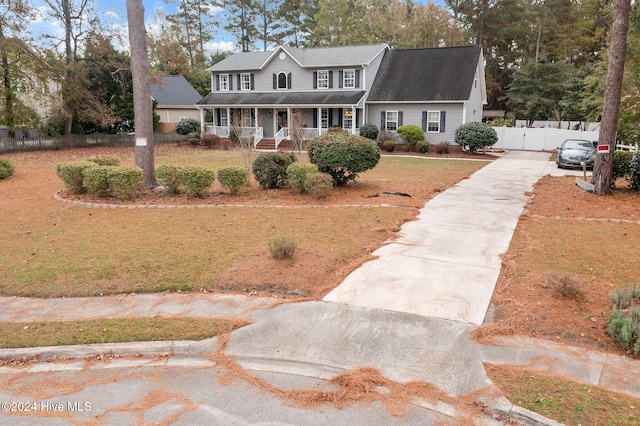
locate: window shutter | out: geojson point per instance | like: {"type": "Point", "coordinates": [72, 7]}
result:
{"type": "Point", "coordinates": [330, 79]}
{"type": "Point", "coordinates": [289, 81]}
{"type": "Point", "coordinates": [230, 81]}
{"type": "Point", "coordinates": [218, 82]}
{"type": "Point", "coordinates": [239, 84]}
{"type": "Point", "coordinates": [252, 81]}
{"type": "Point", "coordinates": [275, 81]}
{"type": "Point", "coordinates": [340, 79]}
{"type": "Point", "coordinates": [399, 118]}
{"type": "Point", "coordinates": [424, 121]}
{"type": "Point", "coordinates": [357, 79]}
{"type": "Point", "coordinates": [315, 79]}
{"type": "Point", "coordinates": [442, 120]}
{"type": "Point", "coordinates": [315, 118]}
{"type": "Point", "coordinates": [383, 120]}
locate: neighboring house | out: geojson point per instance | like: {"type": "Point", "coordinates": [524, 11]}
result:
{"type": "Point", "coordinates": [176, 100]}
{"type": "Point", "coordinates": [264, 92]}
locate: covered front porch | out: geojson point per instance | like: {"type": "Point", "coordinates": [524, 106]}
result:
{"type": "Point", "coordinates": [280, 122]}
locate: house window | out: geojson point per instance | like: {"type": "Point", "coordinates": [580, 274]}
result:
{"type": "Point", "coordinates": [347, 119]}
{"type": "Point", "coordinates": [282, 81]}
{"type": "Point", "coordinates": [224, 82]}
{"type": "Point", "coordinates": [246, 117]}
{"type": "Point", "coordinates": [433, 121]}
{"type": "Point", "coordinates": [224, 118]}
{"type": "Point", "coordinates": [391, 122]}
{"type": "Point", "coordinates": [323, 79]}
{"type": "Point", "coordinates": [245, 81]}
{"type": "Point", "coordinates": [324, 118]}
{"type": "Point", "coordinates": [349, 79]}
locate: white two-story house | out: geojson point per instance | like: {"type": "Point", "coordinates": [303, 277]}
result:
{"type": "Point", "coordinates": [265, 93]}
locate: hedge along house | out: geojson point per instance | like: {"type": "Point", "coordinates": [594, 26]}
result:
{"type": "Point", "coordinates": [176, 100]}
{"type": "Point", "coordinates": [269, 93]}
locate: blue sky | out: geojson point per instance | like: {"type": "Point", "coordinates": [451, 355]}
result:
{"type": "Point", "coordinates": [113, 14]}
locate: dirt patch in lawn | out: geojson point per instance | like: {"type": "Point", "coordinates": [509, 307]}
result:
{"type": "Point", "coordinates": [591, 239]}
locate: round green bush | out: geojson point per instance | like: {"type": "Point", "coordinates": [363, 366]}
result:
{"type": "Point", "coordinates": [196, 180]}
{"type": "Point", "coordinates": [169, 177]}
{"type": "Point", "coordinates": [343, 156]}
{"type": "Point", "coordinates": [474, 135]}
{"type": "Point", "coordinates": [318, 184]}
{"type": "Point", "coordinates": [104, 160]}
{"type": "Point", "coordinates": [411, 134]}
{"type": "Point", "coordinates": [297, 174]}
{"type": "Point", "coordinates": [6, 168]}
{"type": "Point", "coordinates": [124, 181]}
{"type": "Point", "coordinates": [270, 169]}
{"type": "Point", "coordinates": [442, 148]}
{"type": "Point", "coordinates": [634, 170]}
{"type": "Point", "coordinates": [369, 131]}
{"type": "Point", "coordinates": [72, 175]}
{"type": "Point", "coordinates": [187, 125]}
{"type": "Point", "coordinates": [622, 165]}
{"type": "Point", "coordinates": [96, 180]}
{"type": "Point", "coordinates": [233, 178]}
{"type": "Point", "coordinates": [389, 146]}
{"type": "Point", "coordinates": [423, 147]}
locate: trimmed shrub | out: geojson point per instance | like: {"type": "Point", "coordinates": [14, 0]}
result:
{"type": "Point", "coordinates": [169, 177]}
{"type": "Point", "coordinates": [634, 171]}
{"type": "Point", "coordinates": [624, 321]}
{"type": "Point", "coordinates": [196, 180]}
{"type": "Point", "coordinates": [270, 169]}
{"type": "Point", "coordinates": [622, 165]}
{"type": "Point", "coordinates": [6, 168]}
{"type": "Point", "coordinates": [369, 131]}
{"type": "Point", "coordinates": [96, 180]}
{"type": "Point", "coordinates": [389, 146]}
{"type": "Point", "coordinates": [442, 148]}
{"type": "Point", "coordinates": [194, 138]}
{"type": "Point", "coordinates": [423, 147]}
{"type": "Point", "coordinates": [210, 140]}
{"type": "Point", "coordinates": [474, 135]}
{"type": "Point", "coordinates": [281, 247]}
{"type": "Point", "coordinates": [343, 156]}
{"type": "Point", "coordinates": [318, 184]}
{"type": "Point", "coordinates": [411, 134]}
{"type": "Point", "coordinates": [124, 181]}
{"type": "Point", "coordinates": [104, 160]}
{"type": "Point", "coordinates": [187, 125]}
{"type": "Point", "coordinates": [72, 176]}
{"type": "Point", "coordinates": [297, 174]}
{"type": "Point", "coordinates": [386, 135]}
{"type": "Point", "coordinates": [233, 178]}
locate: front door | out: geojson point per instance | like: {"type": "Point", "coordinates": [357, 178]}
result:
{"type": "Point", "coordinates": [282, 120]}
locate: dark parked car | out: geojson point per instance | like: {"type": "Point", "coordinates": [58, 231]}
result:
{"type": "Point", "coordinates": [573, 152]}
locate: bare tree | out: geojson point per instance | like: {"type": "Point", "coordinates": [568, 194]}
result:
{"type": "Point", "coordinates": [603, 170]}
{"type": "Point", "coordinates": [142, 102]}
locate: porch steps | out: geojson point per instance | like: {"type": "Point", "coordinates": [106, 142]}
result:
{"type": "Point", "coordinates": [267, 144]}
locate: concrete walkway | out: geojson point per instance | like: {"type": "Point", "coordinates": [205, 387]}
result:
{"type": "Point", "coordinates": [408, 313]}
{"type": "Point", "coordinates": [446, 263]}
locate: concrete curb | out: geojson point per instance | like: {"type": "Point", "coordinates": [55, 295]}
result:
{"type": "Point", "coordinates": [48, 353]}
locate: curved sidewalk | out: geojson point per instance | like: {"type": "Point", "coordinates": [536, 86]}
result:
{"type": "Point", "coordinates": [446, 263]}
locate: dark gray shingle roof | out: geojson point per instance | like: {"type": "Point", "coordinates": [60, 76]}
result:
{"type": "Point", "coordinates": [423, 75]}
{"type": "Point", "coordinates": [283, 98]}
{"type": "Point", "coordinates": [174, 90]}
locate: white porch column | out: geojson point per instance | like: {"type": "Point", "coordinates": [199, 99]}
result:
{"type": "Point", "coordinates": [228, 117]}
{"type": "Point", "coordinates": [289, 118]}
{"type": "Point", "coordinates": [319, 119]}
{"type": "Point", "coordinates": [353, 120]}
{"type": "Point", "coordinates": [464, 113]}
{"type": "Point", "coordinates": [255, 118]}
{"type": "Point", "coordinates": [201, 121]}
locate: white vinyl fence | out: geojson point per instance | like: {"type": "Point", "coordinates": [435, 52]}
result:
{"type": "Point", "coordinates": [538, 139]}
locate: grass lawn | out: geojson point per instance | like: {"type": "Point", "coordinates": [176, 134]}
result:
{"type": "Point", "coordinates": [53, 249]}
{"type": "Point", "coordinates": [565, 401]}
{"type": "Point", "coordinates": [34, 334]}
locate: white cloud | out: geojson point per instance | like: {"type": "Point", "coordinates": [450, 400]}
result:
{"type": "Point", "coordinates": [215, 46]}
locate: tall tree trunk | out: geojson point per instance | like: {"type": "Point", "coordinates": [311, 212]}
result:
{"type": "Point", "coordinates": [142, 103]}
{"type": "Point", "coordinates": [6, 82]}
{"type": "Point", "coordinates": [603, 170]}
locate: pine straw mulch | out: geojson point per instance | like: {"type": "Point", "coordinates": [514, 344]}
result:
{"type": "Point", "coordinates": [595, 240]}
